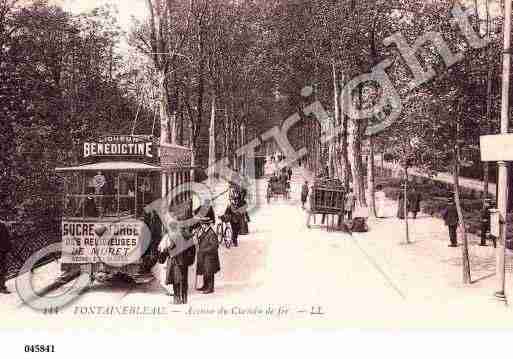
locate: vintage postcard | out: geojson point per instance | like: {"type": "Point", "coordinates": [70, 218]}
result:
{"type": "Point", "coordinates": [258, 166]}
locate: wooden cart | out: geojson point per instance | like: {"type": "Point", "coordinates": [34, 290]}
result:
{"type": "Point", "coordinates": [327, 198]}
{"type": "Point", "coordinates": [277, 188]}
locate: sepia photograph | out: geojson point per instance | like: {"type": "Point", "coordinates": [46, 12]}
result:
{"type": "Point", "coordinates": [258, 167]}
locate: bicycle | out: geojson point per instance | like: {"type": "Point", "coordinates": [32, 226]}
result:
{"type": "Point", "coordinates": [224, 232]}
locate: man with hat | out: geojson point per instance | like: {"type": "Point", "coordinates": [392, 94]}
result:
{"type": "Point", "coordinates": [450, 216]}
{"type": "Point", "coordinates": [485, 220]}
{"type": "Point", "coordinates": [207, 263]}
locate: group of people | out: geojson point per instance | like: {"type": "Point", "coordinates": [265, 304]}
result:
{"type": "Point", "coordinates": [413, 200]}
{"type": "Point", "coordinates": [284, 177]}
{"type": "Point", "coordinates": [178, 250]}
{"type": "Point", "coordinates": [349, 201]}
{"type": "Point", "coordinates": [451, 219]}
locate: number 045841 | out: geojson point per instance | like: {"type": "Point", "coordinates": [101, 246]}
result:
{"type": "Point", "coordinates": [39, 348]}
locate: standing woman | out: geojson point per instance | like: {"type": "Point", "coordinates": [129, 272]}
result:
{"type": "Point", "coordinates": [380, 201]}
{"type": "Point", "coordinates": [414, 202]}
{"type": "Point", "coordinates": [349, 204]}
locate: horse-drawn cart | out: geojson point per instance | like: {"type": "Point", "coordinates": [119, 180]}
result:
{"type": "Point", "coordinates": [277, 187]}
{"type": "Point", "coordinates": [327, 198]}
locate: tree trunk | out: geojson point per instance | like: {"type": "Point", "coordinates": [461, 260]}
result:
{"type": "Point", "coordinates": [485, 129]}
{"type": "Point", "coordinates": [405, 205]}
{"type": "Point", "coordinates": [371, 178]}
{"type": "Point", "coordinates": [164, 109]}
{"type": "Point", "coordinates": [357, 164]}
{"type": "Point", "coordinates": [462, 229]}
{"type": "Point", "coordinates": [332, 153]}
{"type": "Point", "coordinates": [226, 134]}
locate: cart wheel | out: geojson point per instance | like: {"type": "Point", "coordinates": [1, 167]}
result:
{"type": "Point", "coordinates": [219, 232]}
{"type": "Point", "coordinates": [227, 236]}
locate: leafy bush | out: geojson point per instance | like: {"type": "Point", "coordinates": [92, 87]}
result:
{"type": "Point", "coordinates": [471, 205]}
{"type": "Point", "coordinates": [392, 192]}
{"type": "Point", "coordinates": [433, 207]}
{"type": "Point", "coordinates": [390, 182]}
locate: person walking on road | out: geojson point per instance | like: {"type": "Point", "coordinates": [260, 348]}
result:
{"type": "Point", "coordinates": [235, 218]}
{"type": "Point", "coordinates": [380, 197]}
{"type": "Point", "coordinates": [400, 205]}
{"type": "Point", "coordinates": [485, 221]}
{"type": "Point", "coordinates": [304, 194]}
{"type": "Point", "coordinates": [349, 204]}
{"type": "Point", "coordinates": [450, 216]}
{"type": "Point", "coordinates": [5, 248]}
{"type": "Point", "coordinates": [414, 200]}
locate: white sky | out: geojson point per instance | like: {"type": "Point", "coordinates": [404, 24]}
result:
{"type": "Point", "coordinates": [126, 8]}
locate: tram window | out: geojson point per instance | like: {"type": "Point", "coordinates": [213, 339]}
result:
{"type": "Point", "coordinates": [145, 192]}
{"type": "Point", "coordinates": [73, 200]}
{"type": "Point", "coordinates": [126, 190]}
{"type": "Point", "coordinates": [113, 194]}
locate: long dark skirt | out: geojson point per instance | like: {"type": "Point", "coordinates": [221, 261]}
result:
{"type": "Point", "coordinates": [400, 208]}
{"type": "Point", "coordinates": [208, 263]}
{"type": "Point", "coordinates": [243, 229]}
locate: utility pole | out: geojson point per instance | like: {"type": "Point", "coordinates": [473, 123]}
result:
{"type": "Point", "coordinates": [212, 143]}
{"type": "Point", "coordinates": [502, 197]}
{"type": "Point", "coordinates": [242, 143]}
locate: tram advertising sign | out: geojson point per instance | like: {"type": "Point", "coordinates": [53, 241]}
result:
{"type": "Point", "coordinates": [121, 146]}
{"type": "Point", "coordinates": [93, 242]}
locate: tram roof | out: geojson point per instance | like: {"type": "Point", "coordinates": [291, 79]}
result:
{"type": "Point", "coordinates": [112, 166]}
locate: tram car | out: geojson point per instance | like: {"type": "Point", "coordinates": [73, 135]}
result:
{"type": "Point", "coordinates": [106, 204]}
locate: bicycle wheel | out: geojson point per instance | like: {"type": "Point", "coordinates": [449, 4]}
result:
{"type": "Point", "coordinates": [219, 232]}
{"type": "Point", "coordinates": [227, 236]}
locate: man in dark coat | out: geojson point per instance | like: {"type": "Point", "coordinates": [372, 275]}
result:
{"type": "Point", "coordinates": [208, 263]}
{"type": "Point", "coordinates": [235, 218]}
{"type": "Point", "coordinates": [304, 194]}
{"type": "Point", "coordinates": [400, 205]}
{"type": "Point", "coordinates": [485, 221]}
{"type": "Point", "coordinates": [284, 178]}
{"type": "Point", "coordinates": [5, 247]}
{"type": "Point", "coordinates": [414, 202]}
{"type": "Point", "coordinates": [450, 216]}
{"type": "Point", "coordinates": [90, 208]}
{"type": "Point", "coordinates": [181, 255]}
